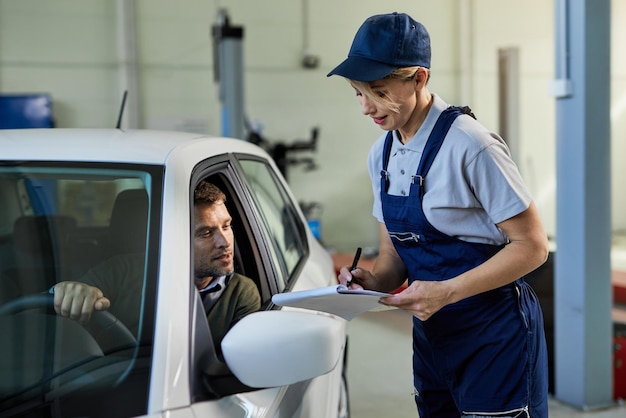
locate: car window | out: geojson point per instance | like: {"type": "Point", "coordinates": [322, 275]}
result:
{"type": "Point", "coordinates": [74, 222]}
{"type": "Point", "coordinates": [226, 299]}
{"type": "Point", "coordinates": [279, 215]}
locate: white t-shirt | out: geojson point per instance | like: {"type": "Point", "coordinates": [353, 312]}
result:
{"type": "Point", "coordinates": [472, 185]}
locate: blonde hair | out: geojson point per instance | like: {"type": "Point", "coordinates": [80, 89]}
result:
{"type": "Point", "coordinates": [402, 73]}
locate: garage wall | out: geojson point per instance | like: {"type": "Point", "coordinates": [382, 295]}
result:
{"type": "Point", "coordinates": [69, 48]}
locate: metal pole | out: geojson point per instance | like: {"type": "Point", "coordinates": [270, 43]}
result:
{"type": "Point", "coordinates": [582, 308]}
{"type": "Point", "coordinates": [228, 67]}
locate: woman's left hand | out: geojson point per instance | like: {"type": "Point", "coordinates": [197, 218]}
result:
{"type": "Point", "coordinates": [421, 299]}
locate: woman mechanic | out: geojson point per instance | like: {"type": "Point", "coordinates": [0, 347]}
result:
{"type": "Point", "coordinates": [457, 220]}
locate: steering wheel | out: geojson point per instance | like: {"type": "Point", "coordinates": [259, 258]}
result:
{"type": "Point", "coordinates": [108, 331]}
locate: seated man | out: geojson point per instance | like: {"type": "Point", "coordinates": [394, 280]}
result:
{"type": "Point", "coordinates": [117, 283]}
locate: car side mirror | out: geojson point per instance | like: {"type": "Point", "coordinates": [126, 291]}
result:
{"type": "Point", "coordinates": [277, 348]}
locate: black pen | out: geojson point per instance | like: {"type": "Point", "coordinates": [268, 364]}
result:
{"type": "Point", "coordinates": [357, 255]}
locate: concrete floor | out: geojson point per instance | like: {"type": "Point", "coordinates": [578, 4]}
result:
{"type": "Point", "coordinates": [379, 370]}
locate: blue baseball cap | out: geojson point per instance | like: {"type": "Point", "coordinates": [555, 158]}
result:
{"type": "Point", "coordinates": [383, 44]}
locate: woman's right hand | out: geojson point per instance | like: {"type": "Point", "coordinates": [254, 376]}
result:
{"type": "Point", "coordinates": [356, 279]}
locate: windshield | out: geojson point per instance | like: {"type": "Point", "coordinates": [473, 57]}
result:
{"type": "Point", "coordinates": [76, 223]}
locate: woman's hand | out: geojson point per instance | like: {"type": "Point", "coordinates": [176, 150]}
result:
{"type": "Point", "coordinates": [421, 299]}
{"type": "Point", "coordinates": [356, 279]}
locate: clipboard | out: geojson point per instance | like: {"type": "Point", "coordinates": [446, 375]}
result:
{"type": "Point", "coordinates": [337, 300]}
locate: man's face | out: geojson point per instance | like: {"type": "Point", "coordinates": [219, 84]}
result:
{"type": "Point", "coordinates": [213, 243]}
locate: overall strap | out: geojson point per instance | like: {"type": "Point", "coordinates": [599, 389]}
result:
{"type": "Point", "coordinates": [435, 140]}
{"type": "Point", "coordinates": [433, 144]}
{"type": "Point", "coordinates": [384, 176]}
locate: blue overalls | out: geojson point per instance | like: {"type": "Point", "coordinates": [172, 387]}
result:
{"type": "Point", "coordinates": [484, 355]}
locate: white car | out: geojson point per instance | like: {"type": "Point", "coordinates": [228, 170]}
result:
{"type": "Point", "coordinates": [72, 198]}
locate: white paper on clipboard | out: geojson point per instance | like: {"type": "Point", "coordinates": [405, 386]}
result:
{"type": "Point", "coordinates": [337, 300]}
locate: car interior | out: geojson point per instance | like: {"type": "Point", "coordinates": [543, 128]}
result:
{"type": "Point", "coordinates": [49, 248]}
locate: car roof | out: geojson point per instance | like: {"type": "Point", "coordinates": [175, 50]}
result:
{"type": "Point", "coordinates": [111, 145]}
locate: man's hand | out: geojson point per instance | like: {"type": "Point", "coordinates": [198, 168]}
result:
{"type": "Point", "coordinates": [78, 300]}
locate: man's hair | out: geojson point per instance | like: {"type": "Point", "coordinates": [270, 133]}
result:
{"type": "Point", "coordinates": [208, 193]}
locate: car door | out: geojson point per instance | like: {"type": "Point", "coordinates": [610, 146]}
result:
{"type": "Point", "coordinates": [304, 264]}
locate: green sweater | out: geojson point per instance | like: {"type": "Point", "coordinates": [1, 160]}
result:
{"type": "Point", "coordinates": [120, 279]}
{"type": "Point", "coordinates": [240, 298]}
